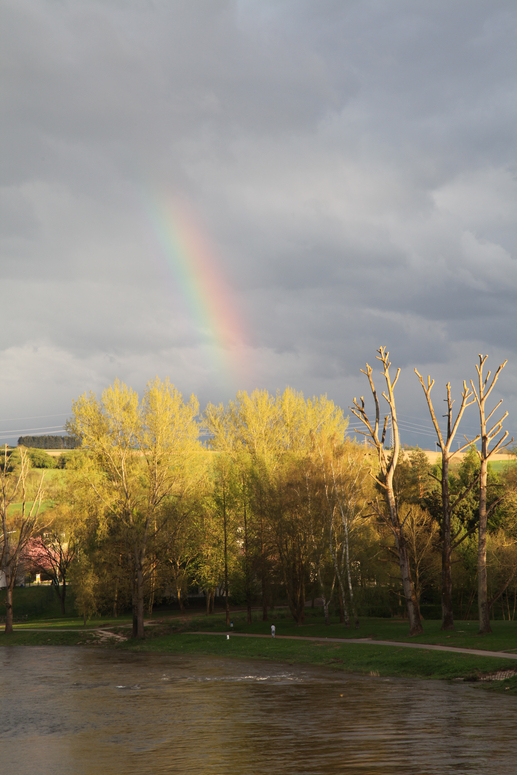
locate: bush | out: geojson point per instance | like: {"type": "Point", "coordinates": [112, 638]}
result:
{"type": "Point", "coordinates": [41, 459]}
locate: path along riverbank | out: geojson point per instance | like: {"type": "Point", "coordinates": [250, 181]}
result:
{"type": "Point", "coordinates": [370, 641]}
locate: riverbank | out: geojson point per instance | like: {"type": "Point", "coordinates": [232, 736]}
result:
{"type": "Point", "coordinates": [309, 644]}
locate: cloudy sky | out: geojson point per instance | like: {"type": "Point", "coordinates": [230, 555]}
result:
{"type": "Point", "coordinates": [255, 193]}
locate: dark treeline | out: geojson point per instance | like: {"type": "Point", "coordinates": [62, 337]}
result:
{"type": "Point", "coordinates": [281, 507]}
{"type": "Point", "coordinates": [48, 441]}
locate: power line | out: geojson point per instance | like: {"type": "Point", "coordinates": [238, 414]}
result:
{"type": "Point", "coordinates": [35, 431]}
{"type": "Point", "coordinates": [34, 417]}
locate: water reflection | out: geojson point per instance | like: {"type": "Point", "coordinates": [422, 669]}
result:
{"type": "Point", "coordinates": [79, 712]}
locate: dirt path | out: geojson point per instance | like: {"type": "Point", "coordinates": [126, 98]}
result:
{"type": "Point", "coordinates": [371, 642]}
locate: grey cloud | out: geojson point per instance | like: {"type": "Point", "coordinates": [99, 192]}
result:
{"type": "Point", "coordinates": [352, 164]}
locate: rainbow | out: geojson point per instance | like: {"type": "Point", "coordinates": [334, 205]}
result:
{"type": "Point", "coordinates": [196, 272]}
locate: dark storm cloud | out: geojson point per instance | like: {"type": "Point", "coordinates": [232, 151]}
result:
{"type": "Point", "coordinates": [352, 164]}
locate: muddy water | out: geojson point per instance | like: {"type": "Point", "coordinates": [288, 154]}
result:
{"type": "Point", "coordinates": [79, 712]}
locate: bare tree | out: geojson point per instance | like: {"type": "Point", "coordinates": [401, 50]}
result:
{"type": "Point", "coordinates": [387, 464]}
{"type": "Point", "coordinates": [467, 399]}
{"type": "Point", "coordinates": [18, 524]}
{"type": "Point", "coordinates": [488, 435]}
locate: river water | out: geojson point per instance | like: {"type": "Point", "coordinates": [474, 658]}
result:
{"type": "Point", "coordinates": [67, 711]}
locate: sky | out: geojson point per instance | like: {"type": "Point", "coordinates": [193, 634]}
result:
{"type": "Point", "coordinates": [244, 194]}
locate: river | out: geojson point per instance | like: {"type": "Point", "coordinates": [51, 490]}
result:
{"type": "Point", "coordinates": [70, 711]}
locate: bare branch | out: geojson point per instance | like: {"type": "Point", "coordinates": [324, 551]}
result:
{"type": "Point", "coordinates": [500, 444]}
{"type": "Point", "coordinates": [468, 443]}
{"type": "Point", "coordinates": [496, 407]}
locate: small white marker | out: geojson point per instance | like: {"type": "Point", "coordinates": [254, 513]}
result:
{"type": "Point", "coordinates": [227, 637]}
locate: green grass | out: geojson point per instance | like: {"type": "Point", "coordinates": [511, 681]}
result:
{"type": "Point", "coordinates": [500, 466]}
{"type": "Point", "coordinates": [503, 638]}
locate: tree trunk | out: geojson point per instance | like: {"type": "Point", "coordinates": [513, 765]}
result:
{"type": "Point", "coordinates": [295, 589]}
{"type": "Point", "coordinates": [227, 601]}
{"type": "Point", "coordinates": [483, 606]}
{"type": "Point", "coordinates": [349, 577]}
{"type": "Point", "coordinates": [487, 436]}
{"type": "Point", "coordinates": [62, 597]}
{"type": "Point", "coordinates": [134, 599]}
{"type": "Point", "coordinates": [263, 571]}
{"type": "Point", "coordinates": [326, 600]}
{"type": "Point", "coordinates": [210, 601]}
{"type": "Point", "coordinates": [9, 603]}
{"type": "Point", "coordinates": [447, 611]}
{"type": "Point", "coordinates": [343, 613]}
{"type": "Point", "coordinates": [302, 605]}
{"type": "Point", "coordinates": [246, 563]}
{"type": "Point", "coordinates": [140, 602]}
{"type": "Point", "coordinates": [413, 610]}
{"type": "Point", "coordinates": [341, 608]}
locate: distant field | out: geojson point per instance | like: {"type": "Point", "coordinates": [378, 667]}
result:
{"type": "Point", "coordinates": [498, 461]}
{"type": "Point", "coordinates": [432, 455]}
{"type": "Point", "coordinates": [503, 465]}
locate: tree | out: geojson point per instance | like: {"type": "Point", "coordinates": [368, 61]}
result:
{"type": "Point", "coordinates": [53, 551]}
{"type": "Point", "coordinates": [47, 441]}
{"type": "Point", "coordinates": [20, 504]}
{"type": "Point", "coordinates": [421, 535]}
{"type": "Point", "coordinates": [344, 468]}
{"type": "Point", "coordinates": [246, 430]}
{"type": "Point", "coordinates": [488, 435]}
{"type": "Point", "coordinates": [291, 531]}
{"type": "Point", "coordinates": [307, 430]}
{"type": "Point", "coordinates": [445, 443]}
{"type": "Point", "coordinates": [387, 464]}
{"type": "Point", "coordinates": [140, 453]}
{"type": "Point", "coordinates": [85, 583]}
{"type": "Point", "coordinates": [179, 546]}
{"type": "Point", "coordinates": [270, 442]}
{"type": "Point", "coordinates": [54, 548]}
{"type": "Point", "coordinates": [211, 558]}
{"type": "Point", "coordinates": [223, 501]}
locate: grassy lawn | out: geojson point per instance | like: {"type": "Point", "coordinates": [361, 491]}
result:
{"type": "Point", "coordinates": [503, 638]}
